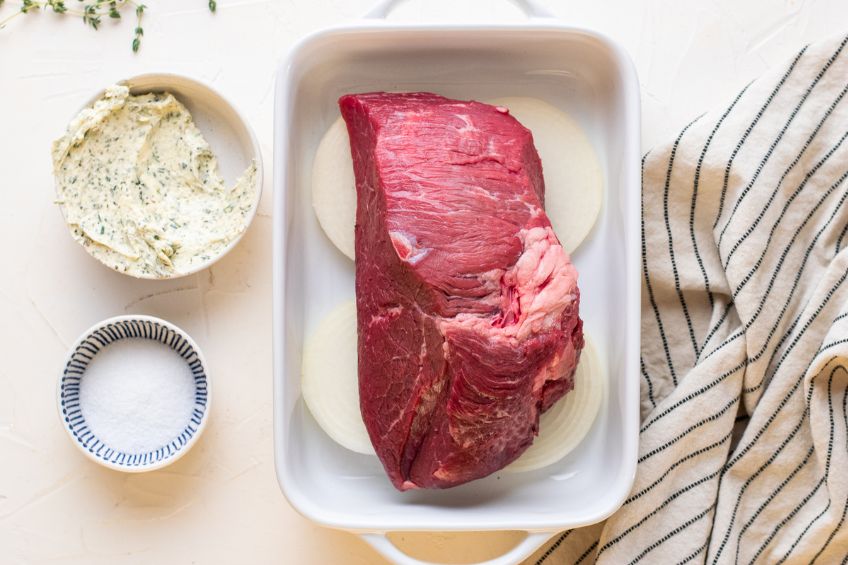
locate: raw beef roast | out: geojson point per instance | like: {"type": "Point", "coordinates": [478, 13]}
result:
{"type": "Point", "coordinates": [467, 304]}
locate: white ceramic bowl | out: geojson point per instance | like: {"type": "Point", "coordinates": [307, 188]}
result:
{"type": "Point", "coordinates": [227, 130]}
{"type": "Point", "coordinates": [81, 354]}
{"type": "Point", "coordinates": [580, 71]}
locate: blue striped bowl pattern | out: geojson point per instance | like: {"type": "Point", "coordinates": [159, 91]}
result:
{"type": "Point", "coordinates": [95, 339]}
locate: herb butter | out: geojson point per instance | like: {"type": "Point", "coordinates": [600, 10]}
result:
{"type": "Point", "coordinates": [140, 189]}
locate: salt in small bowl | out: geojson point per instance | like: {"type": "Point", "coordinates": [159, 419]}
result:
{"type": "Point", "coordinates": [84, 352]}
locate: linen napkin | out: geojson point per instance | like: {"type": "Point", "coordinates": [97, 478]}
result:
{"type": "Point", "coordinates": [743, 454]}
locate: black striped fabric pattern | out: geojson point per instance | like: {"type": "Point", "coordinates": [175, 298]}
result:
{"type": "Point", "coordinates": [744, 438]}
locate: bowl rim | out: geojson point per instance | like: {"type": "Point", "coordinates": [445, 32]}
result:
{"type": "Point", "coordinates": [169, 78]}
{"type": "Point", "coordinates": [164, 462]}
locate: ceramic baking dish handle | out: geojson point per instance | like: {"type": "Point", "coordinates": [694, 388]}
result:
{"type": "Point", "coordinates": [517, 554]}
{"type": "Point", "coordinates": [529, 7]}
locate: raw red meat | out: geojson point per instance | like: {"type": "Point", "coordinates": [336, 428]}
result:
{"type": "Point", "coordinates": [467, 304]}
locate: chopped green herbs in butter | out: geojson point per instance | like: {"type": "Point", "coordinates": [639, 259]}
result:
{"type": "Point", "coordinates": [140, 188]}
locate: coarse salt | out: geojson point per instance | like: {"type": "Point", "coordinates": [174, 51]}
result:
{"type": "Point", "coordinates": [137, 395]}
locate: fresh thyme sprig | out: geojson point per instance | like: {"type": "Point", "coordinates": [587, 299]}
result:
{"type": "Point", "coordinates": [139, 11]}
{"type": "Point", "coordinates": [91, 12]}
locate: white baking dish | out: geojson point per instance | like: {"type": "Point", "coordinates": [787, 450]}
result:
{"type": "Point", "coordinates": [577, 70]}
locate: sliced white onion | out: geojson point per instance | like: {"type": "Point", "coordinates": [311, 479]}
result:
{"type": "Point", "coordinates": [329, 382]}
{"type": "Point", "coordinates": [574, 182]}
{"type": "Point", "coordinates": [330, 389]}
{"type": "Point", "coordinates": [573, 177]}
{"type": "Point", "coordinates": [334, 188]}
{"type": "Point", "coordinates": [563, 427]}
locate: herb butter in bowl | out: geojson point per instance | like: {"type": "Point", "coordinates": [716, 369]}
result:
{"type": "Point", "coordinates": [158, 176]}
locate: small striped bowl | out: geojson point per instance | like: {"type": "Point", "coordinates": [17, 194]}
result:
{"type": "Point", "coordinates": [82, 353]}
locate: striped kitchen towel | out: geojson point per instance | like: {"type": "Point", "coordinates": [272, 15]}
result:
{"type": "Point", "coordinates": [743, 453]}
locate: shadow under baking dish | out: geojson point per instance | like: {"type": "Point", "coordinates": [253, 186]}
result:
{"type": "Point", "coordinates": [85, 352]}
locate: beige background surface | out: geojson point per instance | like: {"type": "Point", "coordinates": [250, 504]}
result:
{"type": "Point", "coordinates": [221, 503]}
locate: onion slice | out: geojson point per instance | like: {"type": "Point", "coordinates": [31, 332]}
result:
{"type": "Point", "coordinates": [329, 379]}
{"type": "Point", "coordinates": [566, 423]}
{"type": "Point", "coordinates": [330, 388]}
{"type": "Point", "coordinates": [574, 182]}
{"type": "Point", "coordinates": [334, 188]}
